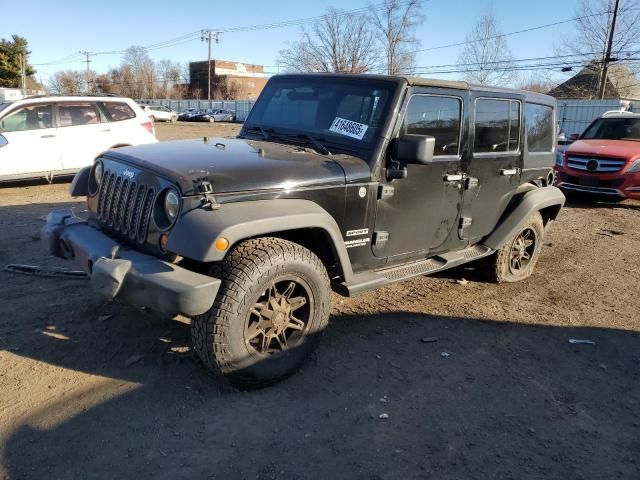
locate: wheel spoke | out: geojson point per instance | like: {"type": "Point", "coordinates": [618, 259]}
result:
{"type": "Point", "coordinates": [526, 256]}
{"type": "Point", "coordinates": [266, 341]}
{"type": "Point", "coordinates": [254, 330]}
{"type": "Point", "coordinates": [295, 324]}
{"type": "Point", "coordinates": [297, 302]}
{"type": "Point", "coordinates": [282, 340]}
{"type": "Point", "coordinates": [289, 290]}
{"type": "Point", "coordinates": [528, 243]}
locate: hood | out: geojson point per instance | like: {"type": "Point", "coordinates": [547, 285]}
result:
{"type": "Point", "coordinates": [235, 165]}
{"type": "Point", "coordinates": [624, 149]}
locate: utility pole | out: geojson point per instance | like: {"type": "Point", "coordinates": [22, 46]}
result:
{"type": "Point", "coordinates": [23, 75]}
{"type": "Point", "coordinates": [206, 36]}
{"type": "Point", "coordinates": [87, 55]}
{"type": "Point", "coordinates": [607, 58]}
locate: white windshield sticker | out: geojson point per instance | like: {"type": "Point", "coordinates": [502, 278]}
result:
{"type": "Point", "coordinates": [349, 128]}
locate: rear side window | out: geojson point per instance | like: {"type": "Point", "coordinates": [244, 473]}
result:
{"type": "Point", "coordinates": [439, 117]}
{"type": "Point", "coordinates": [78, 113]}
{"type": "Point", "coordinates": [539, 122]}
{"type": "Point", "coordinates": [33, 117]}
{"type": "Point", "coordinates": [497, 126]}
{"type": "Point", "coordinates": [118, 111]}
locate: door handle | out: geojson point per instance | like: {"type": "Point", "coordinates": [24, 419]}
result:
{"type": "Point", "coordinates": [47, 136]}
{"type": "Point", "coordinates": [458, 177]}
{"type": "Point", "coordinates": [505, 172]}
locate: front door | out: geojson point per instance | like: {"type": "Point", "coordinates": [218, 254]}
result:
{"type": "Point", "coordinates": [418, 213]}
{"type": "Point", "coordinates": [32, 145]}
{"type": "Point", "coordinates": [496, 163]}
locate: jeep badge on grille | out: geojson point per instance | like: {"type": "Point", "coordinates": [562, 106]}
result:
{"type": "Point", "coordinates": [128, 173]}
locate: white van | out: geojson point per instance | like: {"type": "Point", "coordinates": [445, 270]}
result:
{"type": "Point", "coordinates": [49, 136]}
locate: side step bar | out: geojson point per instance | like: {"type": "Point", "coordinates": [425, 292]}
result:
{"type": "Point", "coordinates": [379, 278]}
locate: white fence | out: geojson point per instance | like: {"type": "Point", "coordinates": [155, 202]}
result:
{"type": "Point", "coordinates": [240, 107]}
{"type": "Point", "coordinates": [576, 115]}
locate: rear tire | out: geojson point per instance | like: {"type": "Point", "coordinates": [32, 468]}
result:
{"type": "Point", "coordinates": [517, 259]}
{"type": "Point", "coordinates": [268, 314]}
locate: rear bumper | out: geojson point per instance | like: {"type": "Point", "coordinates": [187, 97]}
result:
{"type": "Point", "coordinates": [127, 275]}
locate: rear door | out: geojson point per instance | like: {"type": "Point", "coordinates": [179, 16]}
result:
{"type": "Point", "coordinates": [494, 171]}
{"type": "Point", "coordinates": [32, 144]}
{"type": "Point", "coordinates": [82, 133]}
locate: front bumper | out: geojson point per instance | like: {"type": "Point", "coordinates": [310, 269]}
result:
{"type": "Point", "coordinates": [128, 275]}
{"type": "Point", "coordinates": [626, 185]}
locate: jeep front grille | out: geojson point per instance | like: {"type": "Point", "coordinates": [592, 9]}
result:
{"type": "Point", "coordinates": [125, 205]}
{"type": "Point", "coordinates": [590, 164]}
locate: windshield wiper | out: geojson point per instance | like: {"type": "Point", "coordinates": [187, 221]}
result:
{"type": "Point", "coordinates": [316, 142]}
{"type": "Point", "coordinates": [258, 128]}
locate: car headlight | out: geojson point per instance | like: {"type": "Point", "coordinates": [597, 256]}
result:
{"type": "Point", "coordinates": [635, 167]}
{"type": "Point", "coordinates": [97, 173]}
{"type": "Point", "coordinates": [171, 205]}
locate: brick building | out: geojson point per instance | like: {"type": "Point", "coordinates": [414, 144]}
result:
{"type": "Point", "coordinates": [229, 80]}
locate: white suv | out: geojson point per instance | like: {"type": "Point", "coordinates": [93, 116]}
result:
{"type": "Point", "coordinates": [159, 113]}
{"type": "Point", "coordinates": [55, 135]}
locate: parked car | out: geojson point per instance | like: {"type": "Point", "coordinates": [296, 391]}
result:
{"type": "Point", "coordinates": [46, 136]}
{"type": "Point", "coordinates": [605, 159]}
{"type": "Point", "coordinates": [214, 115]}
{"type": "Point", "coordinates": [188, 114]}
{"type": "Point", "coordinates": [159, 113]}
{"type": "Point", "coordinates": [350, 182]}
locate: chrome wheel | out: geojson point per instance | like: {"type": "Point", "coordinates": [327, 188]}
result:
{"type": "Point", "coordinates": [279, 319]}
{"type": "Point", "coordinates": [522, 250]}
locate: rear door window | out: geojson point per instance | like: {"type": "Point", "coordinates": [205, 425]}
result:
{"type": "Point", "coordinates": [497, 126]}
{"type": "Point", "coordinates": [72, 114]}
{"type": "Point", "coordinates": [440, 117]}
{"type": "Point", "coordinates": [118, 111]}
{"type": "Point", "coordinates": [539, 123]}
{"type": "Point", "coordinates": [33, 117]}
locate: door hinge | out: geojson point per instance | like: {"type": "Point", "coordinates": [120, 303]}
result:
{"type": "Point", "coordinates": [464, 223]}
{"type": "Point", "coordinates": [386, 191]}
{"type": "Point", "coordinates": [380, 238]}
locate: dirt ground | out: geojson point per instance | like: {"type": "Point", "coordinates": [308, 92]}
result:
{"type": "Point", "coordinates": [93, 389]}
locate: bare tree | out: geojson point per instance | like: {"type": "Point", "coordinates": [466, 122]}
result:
{"type": "Point", "coordinates": [68, 82]}
{"type": "Point", "coordinates": [593, 19]}
{"type": "Point", "coordinates": [486, 58]}
{"type": "Point", "coordinates": [142, 70]}
{"type": "Point", "coordinates": [336, 42]}
{"type": "Point", "coordinates": [540, 82]}
{"type": "Point", "coordinates": [168, 77]}
{"type": "Point", "coordinates": [396, 21]}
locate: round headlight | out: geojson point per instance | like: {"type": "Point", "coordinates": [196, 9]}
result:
{"type": "Point", "coordinates": [171, 205]}
{"type": "Point", "coordinates": [97, 173]}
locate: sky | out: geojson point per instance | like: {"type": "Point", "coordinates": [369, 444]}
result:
{"type": "Point", "coordinates": [56, 31]}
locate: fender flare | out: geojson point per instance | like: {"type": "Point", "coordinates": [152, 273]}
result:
{"type": "Point", "coordinates": [534, 201]}
{"type": "Point", "coordinates": [80, 184]}
{"type": "Point", "coordinates": [194, 234]}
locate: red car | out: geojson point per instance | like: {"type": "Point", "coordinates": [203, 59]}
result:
{"type": "Point", "coordinates": [605, 160]}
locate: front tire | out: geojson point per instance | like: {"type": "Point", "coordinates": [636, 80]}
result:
{"type": "Point", "coordinates": [518, 257]}
{"type": "Point", "coordinates": [269, 312]}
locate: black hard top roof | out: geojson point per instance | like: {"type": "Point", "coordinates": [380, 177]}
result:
{"type": "Point", "coordinates": [432, 82]}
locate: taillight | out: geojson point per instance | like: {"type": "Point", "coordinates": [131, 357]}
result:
{"type": "Point", "coordinates": [149, 127]}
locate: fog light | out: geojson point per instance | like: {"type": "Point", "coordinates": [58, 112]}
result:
{"type": "Point", "coordinates": [222, 244]}
{"type": "Point", "coordinates": [164, 239]}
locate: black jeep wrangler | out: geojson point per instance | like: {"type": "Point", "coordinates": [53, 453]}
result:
{"type": "Point", "coordinates": [348, 182]}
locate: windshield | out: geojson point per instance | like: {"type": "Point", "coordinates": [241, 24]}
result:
{"type": "Point", "coordinates": [334, 110]}
{"type": "Point", "coordinates": [613, 129]}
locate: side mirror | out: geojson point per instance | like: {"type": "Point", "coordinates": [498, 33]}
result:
{"type": "Point", "coordinates": [574, 136]}
{"type": "Point", "coordinates": [3, 141]}
{"type": "Point", "coordinates": [415, 149]}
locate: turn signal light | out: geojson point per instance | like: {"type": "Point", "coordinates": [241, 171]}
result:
{"type": "Point", "coordinates": [221, 244]}
{"type": "Point", "coordinates": [164, 240]}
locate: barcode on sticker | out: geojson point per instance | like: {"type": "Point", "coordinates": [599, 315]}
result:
{"type": "Point", "coordinates": [349, 128]}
